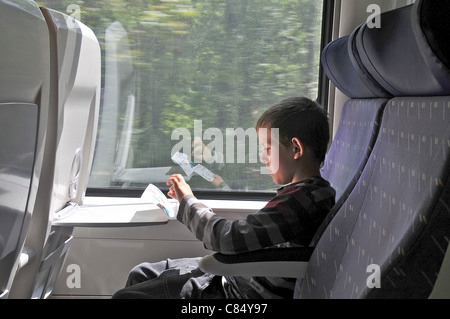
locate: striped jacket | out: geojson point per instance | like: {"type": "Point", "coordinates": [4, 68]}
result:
{"type": "Point", "coordinates": [290, 219]}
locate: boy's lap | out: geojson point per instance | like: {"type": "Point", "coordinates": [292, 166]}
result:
{"type": "Point", "coordinates": [170, 279]}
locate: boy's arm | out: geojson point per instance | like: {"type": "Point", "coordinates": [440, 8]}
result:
{"type": "Point", "coordinates": [291, 215]}
{"type": "Point", "coordinates": [270, 226]}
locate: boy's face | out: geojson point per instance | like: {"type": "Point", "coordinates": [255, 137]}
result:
{"type": "Point", "coordinates": [279, 159]}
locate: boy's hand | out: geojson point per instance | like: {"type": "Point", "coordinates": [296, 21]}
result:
{"type": "Point", "coordinates": [179, 187]}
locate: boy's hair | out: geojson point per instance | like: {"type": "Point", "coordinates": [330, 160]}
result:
{"type": "Point", "coordinates": [302, 118]}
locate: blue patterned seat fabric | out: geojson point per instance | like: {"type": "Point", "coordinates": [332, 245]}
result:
{"type": "Point", "coordinates": [399, 198]}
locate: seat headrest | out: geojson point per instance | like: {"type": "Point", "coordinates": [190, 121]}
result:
{"type": "Point", "coordinates": [408, 54]}
{"type": "Point", "coordinates": [341, 71]}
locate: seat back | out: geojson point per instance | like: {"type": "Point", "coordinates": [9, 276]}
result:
{"type": "Point", "coordinates": [75, 68]}
{"type": "Point", "coordinates": [352, 144]}
{"type": "Point", "coordinates": [76, 61]}
{"type": "Point", "coordinates": [389, 237]}
{"type": "Point", "coordinates": [24, 107]}
{"type": "Point", "coordinates": [359, 122]}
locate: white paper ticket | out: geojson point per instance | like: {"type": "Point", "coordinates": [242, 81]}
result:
{"type": "Point", "coordinates": [204, 172]}
{"type": "Point", "coordinates": [182, 160]}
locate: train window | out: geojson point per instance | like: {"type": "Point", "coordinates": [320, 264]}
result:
{"type": "Point", "coordinates": [178, 74]}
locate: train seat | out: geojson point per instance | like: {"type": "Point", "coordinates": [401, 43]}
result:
{"type": "Point", "coordinates": [395, 218]}
{"type": "Point", "coordinates": [24, 107]}
{"type": "Point", "coordinates": [396, 222]}
{"type": "Point", "coordinates": [74, 96]}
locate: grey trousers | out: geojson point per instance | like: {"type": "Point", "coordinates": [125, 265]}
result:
{"type": "Point", "coordinates": [171, 279]}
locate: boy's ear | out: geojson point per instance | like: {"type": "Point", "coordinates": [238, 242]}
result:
{"type": "Point", "coordinates": [297, 147]}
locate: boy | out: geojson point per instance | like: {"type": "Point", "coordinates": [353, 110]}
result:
{"type": "Point", "coordinates": [289, 219]}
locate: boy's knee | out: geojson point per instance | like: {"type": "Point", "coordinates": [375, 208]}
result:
{"type": "Point", "coordinates": [144, 271]}
{"type": "Point", "coordinates": [119, 294]}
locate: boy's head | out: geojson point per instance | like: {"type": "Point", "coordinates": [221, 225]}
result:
{"type": "Point", "coordinates": [301, 118]}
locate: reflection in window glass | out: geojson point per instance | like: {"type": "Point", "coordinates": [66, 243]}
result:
{"type": "Point", "coordinates": [177, 72]}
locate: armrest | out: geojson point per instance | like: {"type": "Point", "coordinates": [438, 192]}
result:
{"type": "Point", "coordinates": [271, 262]}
